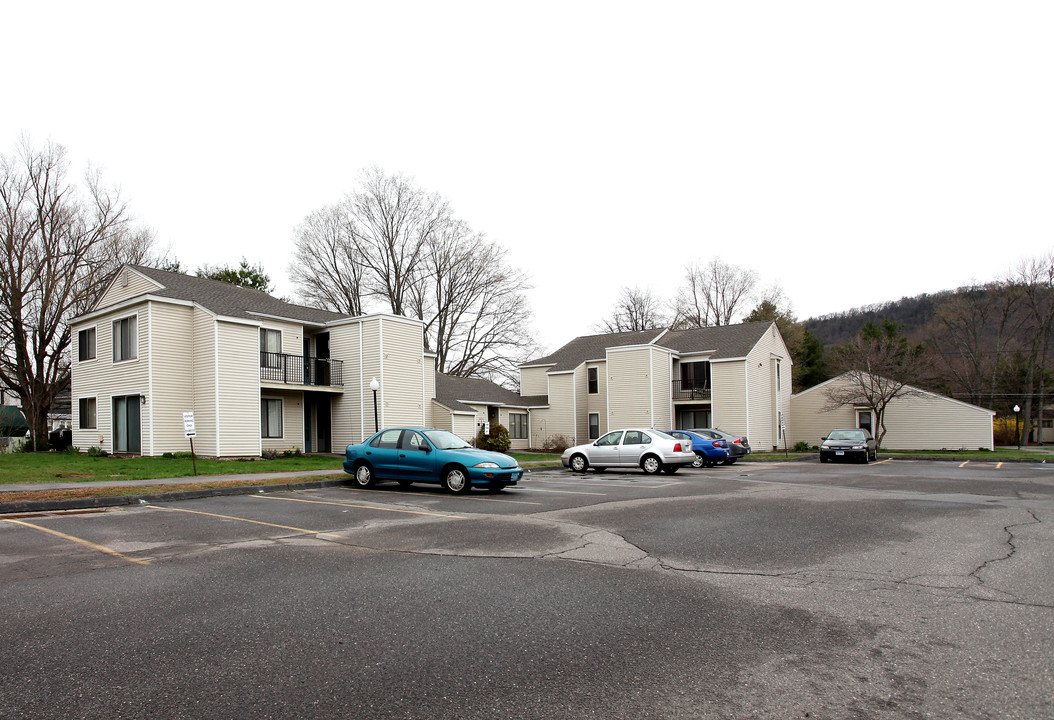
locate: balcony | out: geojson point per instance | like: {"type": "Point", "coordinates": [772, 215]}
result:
{"type": "Point", "coordinates": [280, 368]}
{"type": "Point", "coordinates": [689, 390]}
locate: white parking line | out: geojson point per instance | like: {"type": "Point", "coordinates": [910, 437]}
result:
{"type": "Point", "coordinates": [460, 497]}
{"type": "Point", "coordinates": [362, 507]}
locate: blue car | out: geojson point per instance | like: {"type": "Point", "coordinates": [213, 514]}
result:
{"type": "Point", "coordinates": [708, 452]}
{"type": "Point", "coordinates": [428, 455]}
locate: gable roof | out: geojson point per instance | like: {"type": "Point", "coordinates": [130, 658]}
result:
{"type": "Point", "coordinates": [454, 392]}
{"type": "Point", "coordinates": [912, 388]}
{"type": "Point", "coordinates": [229, 300]}
{"type": "Point", "coordinates": [720, 342]}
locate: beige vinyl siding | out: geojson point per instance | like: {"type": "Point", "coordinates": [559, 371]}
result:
{"type": "Point", "coordinates": [503, 418]}
{"type": "Point", "coordinates": [759, 400]}
{"type": "Point", "coordinates": [371, 368]}
{"type": "Point", "coordinates": [205, 389]}
{"type": "Point", "coordinates": [662, 376]}
{"type": "Point", "coordinates": [292, 420]}
{"type": "Point", "coordinates": [442, 417]}
{"type": "Point", "coordinates": [633, 377]}
{"type": "Point", "coordinates": [104, 379]}
{"type": "Point", "coordinates": [239, 389]}
{"type": "Point", "coordinates": [428, 380]}
{"type": "Point", "coordinates": [559, 417]}
{"type": "Point", "coordinates": [597, 403]}
{"type": "Point", "coordinates": [464, 426]}
{"type": "Point", "coordinates": [347, 407]}
{"type": "Point", "coordinates": [534, 381]}
{"type": "Point", "coordinates": [127, 284]}
{"type": "Point", "coordinates": [171, 377]}
{"type": "Point", "coordinates": [728, 402]}
{"type": "Point", "coordinates": [402, 365]}
{"type": "Point", "coordinates": [928, 422]}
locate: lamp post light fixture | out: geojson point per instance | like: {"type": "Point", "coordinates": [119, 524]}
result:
{"type": "Point", "coordinates": [375, 386]}
{"type": "Point", "coordinates": [1017, 426]}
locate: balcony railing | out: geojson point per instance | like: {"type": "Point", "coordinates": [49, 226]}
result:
{"type": "Point", "coordinates": [688, 390]}
{"type": "Point", "coordinates": [301, 370]}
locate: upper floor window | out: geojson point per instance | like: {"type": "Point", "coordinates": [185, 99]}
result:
{"type": "Point", "coordinates": [86, 344]}
{"type": "Point", "coordinates": [270, 348]}
{"type": "Point", "coordinates": [695, 375]}
{"type": "Point", "coordinates": [125, 339]}
{"type": "Point", "coordinates": [594, 380]}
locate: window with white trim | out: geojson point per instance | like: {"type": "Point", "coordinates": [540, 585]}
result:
{"type": "Point", "coordinates": [86, 344]}
{"type": "Point", "coordinates": [271, 417]}
{"type": "Point", "coordinates": [125, 339]}
{"type": "Point", "coordinates": [518, 426]}
{"type": "Point", "coordinates": [86, 413]}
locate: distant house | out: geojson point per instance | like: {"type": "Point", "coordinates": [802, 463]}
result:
{"type": "Point", "coordinates": [735, 377]}
{"type": "Point", "coordinates": [922, 421]}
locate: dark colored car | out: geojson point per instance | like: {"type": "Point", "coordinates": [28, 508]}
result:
{"type": "Point", "coordinates": [428, 455]}
{"type": "Point", "coordinates": [708, 452]}
{"type": "Point", "coordinates": [737, 444]}
{"type": "Point", "coordinates": [848, 443]}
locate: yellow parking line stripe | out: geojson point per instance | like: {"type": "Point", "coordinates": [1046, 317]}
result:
{"type": "Point", "coordinates": [79, 541]}
{"type": "Point", "coordinates": [965, 464]}
{"type": "Point", "coordinates": [364, 507]}
{"type": "Point", "coordinates": [998, 465]}
{"type": "Point", "coordinates": [254, 522]}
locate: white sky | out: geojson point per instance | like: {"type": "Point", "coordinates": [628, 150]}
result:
{"type": "Point", "coordinates": [851, 152]}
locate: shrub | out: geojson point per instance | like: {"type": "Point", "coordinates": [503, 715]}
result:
{"type": "Point", "coordinates": [96, 451]}
{"type": "Point", "coordinates": [801, 446]}
{"type": "Point", "coordinates": [269, 454]}
{"type": "Point", "coordinates": [498, 440]}
{"type": "Point", "coordinates": [73, 450]}
{"type": "Point", "coordinates": [556, 443]}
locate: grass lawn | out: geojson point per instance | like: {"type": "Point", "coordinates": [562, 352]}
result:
{"type": "Point", "coordinates": [45, 467]}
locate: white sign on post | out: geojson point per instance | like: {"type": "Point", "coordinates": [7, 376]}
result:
{"type": "Point", "coordinates": [188, 424]}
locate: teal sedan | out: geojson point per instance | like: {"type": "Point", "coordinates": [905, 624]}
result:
{"type": "Point", "coordinates": [427, 455]}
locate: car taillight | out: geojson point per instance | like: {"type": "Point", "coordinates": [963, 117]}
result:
{"type": "Point", "coordinates": [717, 443]}
{"type": "Point", "coordinates": [738, 440]}
{"type": "Point", "coordinates": [677, 447]}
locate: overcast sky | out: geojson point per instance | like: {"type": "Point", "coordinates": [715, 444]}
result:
{"type": "Point", "coordinates": [851, 152]}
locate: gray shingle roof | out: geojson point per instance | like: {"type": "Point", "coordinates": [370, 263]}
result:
{"type": "Point", "coordinates": [453, 392]}
{"type": "Point", "coordinates": [724, 341]}
{"type": "Point", "coordinates": [230, 300]}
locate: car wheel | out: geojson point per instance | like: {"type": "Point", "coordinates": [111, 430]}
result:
{"type": "Point", "coordinates": [456, 481]}
{"type": "Point", "coordinates": [874, 455]}
{"type": "Point", "coordinates": [866, 457]}
{"type": "Point", "coordinates": [578, 463]}
{"type": "Point", "coordinates": [823, 458]}
{"type": "Point", "coordinates": [699, 461]}
{"type": "Point", "coordinates": [496, 487]}
{"type": "Point", "coordinates": [364, 476]}
{"type": "Point", "coordinates": [650, 464]}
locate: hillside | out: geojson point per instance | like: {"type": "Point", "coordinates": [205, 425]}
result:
{"type": "Point", "coordinates": [911, 313]}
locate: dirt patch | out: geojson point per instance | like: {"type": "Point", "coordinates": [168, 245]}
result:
{"type": "Point", "coordinates": [74, 476]}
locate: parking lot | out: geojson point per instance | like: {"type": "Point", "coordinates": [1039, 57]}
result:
{"type": "Point", "coordinates": [896, 589]}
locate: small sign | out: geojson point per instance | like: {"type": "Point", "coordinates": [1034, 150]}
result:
{"type": "Point", "coordinates": [486, 428]}
{"type": "Point", "coordinates": [188, 424]}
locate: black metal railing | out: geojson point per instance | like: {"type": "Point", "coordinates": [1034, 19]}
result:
{"type": "Point", "coordinates": [689, 390]}
{"type": "Point", "coordinates": [301, 370]}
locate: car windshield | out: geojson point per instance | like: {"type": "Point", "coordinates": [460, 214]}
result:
{"type": "Point", "coordinates": [443, 440]}
{"type": "Point", "coordinates": [846, 435]}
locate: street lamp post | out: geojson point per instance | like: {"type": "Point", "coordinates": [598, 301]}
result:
{"type": "Point", "coordinates": [375, 386]}
{"type": "Point", "coordinates": [1017, 426]}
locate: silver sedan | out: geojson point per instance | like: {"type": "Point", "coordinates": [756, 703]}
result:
{"type": "Point", "coordinates": [651, 450]}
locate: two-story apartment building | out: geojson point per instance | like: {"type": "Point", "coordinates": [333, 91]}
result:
{"type": "Point", "coordinates": [257, 372]}
{"type": "Point", "coordinates": [735, 377]}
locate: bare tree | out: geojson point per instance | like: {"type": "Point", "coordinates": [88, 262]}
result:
{"type": "Point", "coordinates": [392, 243]}
{"type": "Point", "coordinates": [1034, 280]}
{"type": "Point", "coordinates": [713, 294]}
{"type": "Point", "coordinates": [635, 309]}
{"type": "Point", "coordinates": [329, 272]}
{"type": "Point", "coordinates": [59, 251]}
{"type": "Point", "coordinates": [879, 364]}
{"type": "Point", "coordinates": [390, 220]}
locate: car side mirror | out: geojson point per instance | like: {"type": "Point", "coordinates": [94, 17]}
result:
{"type": "Point", "coordinates": [425, 448]}
{"type": "Point", "coordinates": [823, 438]}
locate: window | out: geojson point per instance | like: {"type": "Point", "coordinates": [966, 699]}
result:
{"type": "Point", "coordinates": [695, 419]}
{"type": "Point", "coordinates": [611, 438]}
{"type": "Point", "coordinates": [594, 426]}
{"type": "Point", "coordinates": [86, 411]}
{"type": "Point", "coordinates": [271, 418]}
{"type": "Point", "coordinates": [86, 344]}
{"type": "Point", "coordinates": [125, 340]}
{"type": "Point", "coordinates": [864, 420]}
{"type": "Point", "coordinates": [518, 426]}
{"type": "Point", "coordinates": [695, 375]}
{"type": "Point", "coordinates": [594, 380]}
{"type": "Point", "coordinates": [270, 348]}
{"type": "Point", "coordinates": [636, 437]}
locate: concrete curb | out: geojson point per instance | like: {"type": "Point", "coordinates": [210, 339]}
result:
{"type": "Point", "coordinates": [88, 503]}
